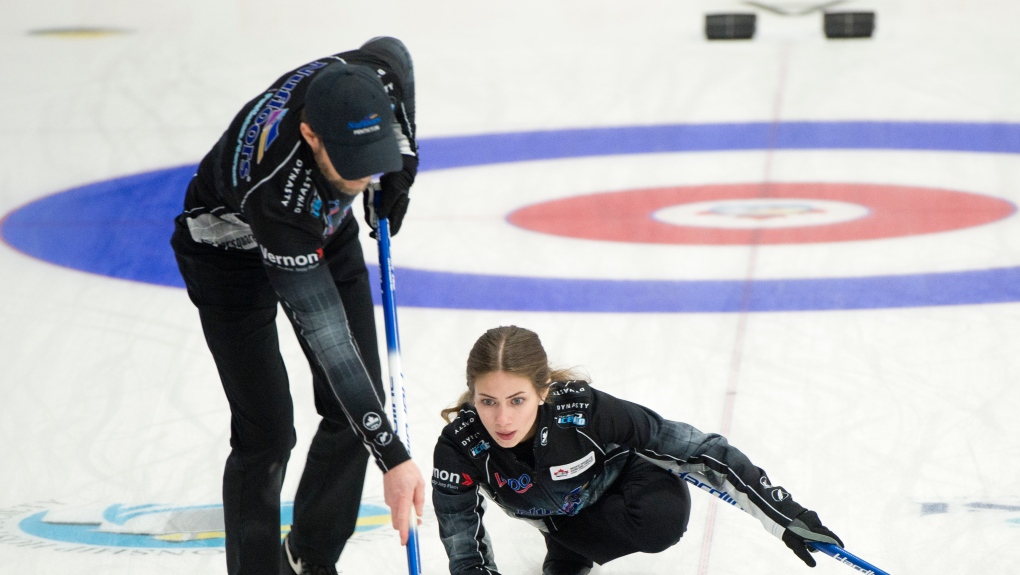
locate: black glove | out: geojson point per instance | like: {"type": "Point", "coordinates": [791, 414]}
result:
{"type": "Point", "coordinates": [393, 197]}
{"type": "Point", "coordinates": [806, 527]}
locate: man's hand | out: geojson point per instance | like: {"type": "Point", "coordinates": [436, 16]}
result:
{"type": "Point", "coordinates": [392, 191]}
{"type": "Point", "coordinates": [807, 527]}
{"type": "Point", "coordinates": [402, 486]}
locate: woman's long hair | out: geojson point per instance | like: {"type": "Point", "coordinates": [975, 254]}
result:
{"type": "Point", "coordinates": [514, 350]}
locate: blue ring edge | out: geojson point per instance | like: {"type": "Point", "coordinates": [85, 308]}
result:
{"type": "Point", "coordinates": [28, 228]}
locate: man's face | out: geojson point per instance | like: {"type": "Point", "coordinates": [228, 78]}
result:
{"type": "Point", "coordinates": [350, 187]}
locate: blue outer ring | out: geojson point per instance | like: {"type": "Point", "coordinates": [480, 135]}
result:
{"type": "Point", "coordinates": [120, 228]}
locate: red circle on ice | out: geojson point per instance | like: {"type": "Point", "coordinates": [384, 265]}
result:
{"type": "Point", "coordinates": [773, 213]}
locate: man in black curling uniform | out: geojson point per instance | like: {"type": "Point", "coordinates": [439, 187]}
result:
{"type": "Point", "coordinates": [267, 220]}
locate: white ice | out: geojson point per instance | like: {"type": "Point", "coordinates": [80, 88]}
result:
{"type": "Point", "coordinates": [108, 395]}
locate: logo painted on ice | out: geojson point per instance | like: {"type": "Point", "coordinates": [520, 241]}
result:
{"type": "Point", "coordinates": [145, 529]}
{"type": "Point", "coordinates": [762, 211]}
{"type": "Point", "coordinates": [520, 485]}
{"type": "Point", "coordinates": [1010, 506]}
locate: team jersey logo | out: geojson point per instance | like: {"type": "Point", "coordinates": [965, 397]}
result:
{"type": "Point", "coordinates": [572, 501]}
{"type": "Point", "coordinates": [520, 485]}
{"type": "Point", "coordinates": [299, 262]}
{"type": "Point", "coordinates": [371, 421]}
{"type": "Point", "coordinates": [448, 477]}
{"type": "Point", "coordinates": [573, 469]}
{"type": "Point", "coordinates": [270, 131]}
{"type": "Point", "coordinates": [479, 448]}
{"type": "Point", "coordinates": [575, 419]}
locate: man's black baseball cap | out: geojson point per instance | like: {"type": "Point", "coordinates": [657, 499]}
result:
{"type": "Point", "coordinates": [347, 106]}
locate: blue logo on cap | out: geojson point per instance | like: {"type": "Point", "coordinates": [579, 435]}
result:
{"type": "Point", "coordinates": [366, 122]}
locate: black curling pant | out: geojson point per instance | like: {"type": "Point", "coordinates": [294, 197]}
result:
{"type": "Point", "coordinates": [238, 307]}
{"type": "Point", "coordinates": [646, 510]}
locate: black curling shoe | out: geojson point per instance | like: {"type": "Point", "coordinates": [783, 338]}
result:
{"type": "Point", "coordinates": [290, 565]}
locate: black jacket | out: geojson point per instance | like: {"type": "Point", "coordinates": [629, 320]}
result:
{"type": "Point", "coordinates": [260, 190]}
{"type": "Point", "coordinates": [583, 440]}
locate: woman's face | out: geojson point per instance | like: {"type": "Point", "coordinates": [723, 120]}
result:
{"type": "Point", "coordinates": [507, 404]}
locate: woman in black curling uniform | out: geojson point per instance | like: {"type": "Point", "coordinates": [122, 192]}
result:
{"type": "Point", "coordinates": [599, 476]}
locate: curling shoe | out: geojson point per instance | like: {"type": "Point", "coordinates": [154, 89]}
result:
{"type": "Point", "coordinates": [291, 565]}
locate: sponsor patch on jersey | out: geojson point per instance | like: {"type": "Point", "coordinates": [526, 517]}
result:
{"type": "Point", "coordinates": [572, 405]}
{"type": "Point", "coordinates": [371, 421]}
{"type": "Point", "coordinates": [252, 139]}
{"type": "Point", "coordinates": [464, 425]}
{"type": "Point", "coordinates": [779, 494]}
{"type": "Point", "coordinates": [449, 479]}
{"type": "Point", "coordinates": [520, 485]}
{"type": "Point", "coordinates": [335, 214]}
{"type": "Point", "coordinates": [534, 512]}
{"type": "Point", "coordinates": [575, 419]}
{"type": "Point", "coordinates": [479, 448]}
{"type": "Point", "coordinates": [566, 391]}
{"type": "Point", "coordinates": [572, 501]}
{"type": "Point", "coordinates": [270, 131]}
{"type": "Point", "coordinates": [573, 469]}
{"type": "Point", "coordinates": [298, 263]}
